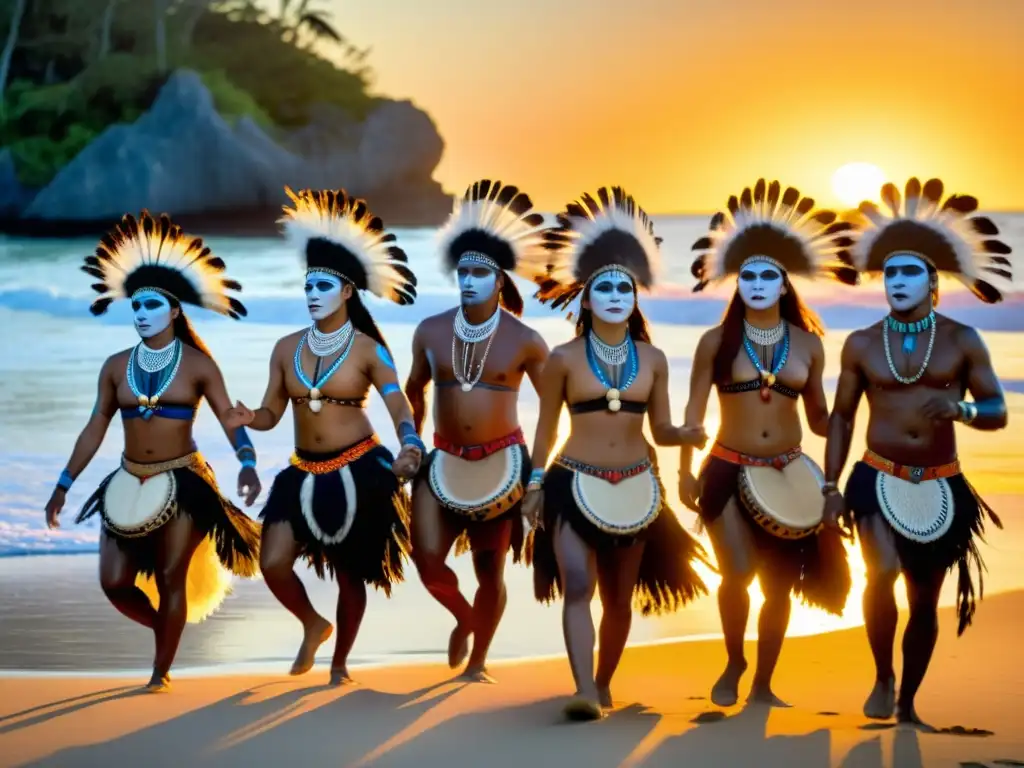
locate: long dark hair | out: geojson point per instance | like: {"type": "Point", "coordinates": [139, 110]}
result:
{"type": "Point", "coordinates": [509, 297]}
{"type": "Point", "coordinates": [362, 320]}
{"type": "Point", "coordinates": [791, 309]}
{"type": "Point", "coordinates": [637, 324]}
{"type": "Point", "coordinates": [183, 330]}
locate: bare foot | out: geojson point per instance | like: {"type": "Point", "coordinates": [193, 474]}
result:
{"type": "Point", "coordinates": [762, 694]}
{"type": "Point", "coordinates": [316, 635]}
{"type": "Point", "coordinates": [882, 702]}
{"type": "Point", "coordinates": [725, 693]}
{"type": "Point", "coordinates": [458, 645]}
{"type": "Point", "coordinates": [907, 715]}
{"type": "Point", "coordinates": [340, 676]}
{"type": "Point", "coordinates": [604, 696]}
{"type": "Point", "coordinates": [158, 684]}
{"type": "Point", "coordinates": [581, 707]}
{"type": "Point", "coordinates": [477, 674]}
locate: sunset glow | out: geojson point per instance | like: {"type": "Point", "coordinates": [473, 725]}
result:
{"type": "Point", "coordinates": [855, 182]}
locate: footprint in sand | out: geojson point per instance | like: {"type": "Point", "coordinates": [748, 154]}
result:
{"type": "Point", "coordinates": [1007, 761]}
{"type": "Point", "coordinates": [709, 717]}
{"type": "Point", "coordinates": [959, 730]}
{"type": "Point", "coordinates": [973, 765]}
{"type": "Point", "coordinates": [829, 714]}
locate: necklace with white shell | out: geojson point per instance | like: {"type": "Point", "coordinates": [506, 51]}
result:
{"type": "Point", "coordinates": [765, 337]}
{"type": "Point", "coordinates": [470, 335]}
{"type": "Point", "coordinates": [155, 360]}
{"type": "Point", "coordinates": [325, 344]}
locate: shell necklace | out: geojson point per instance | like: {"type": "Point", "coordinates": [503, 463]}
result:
{"type": "Point", "coordinates": [779, 357]}
{"type": "Point", "coordinates": [927, 354]}
{"type": "Point", "coordinates": [324, 344]}
{"type": "Point", "coordinates": [624, 355]}
{"type": "Point", "coordinates": [766, 337]}
{"type": "Point", "coordinates": [319, 379]}
{"type": "Point", "coordinates": [470, 335]}
{"type": "Point", "coordinates": [141, 367]}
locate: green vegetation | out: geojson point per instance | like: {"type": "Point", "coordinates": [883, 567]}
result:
{"type": "Point", "coordinates": [70, 68]}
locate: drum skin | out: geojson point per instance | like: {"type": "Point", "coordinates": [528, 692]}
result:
{"type": "Point", "coordinates": [133, 507]}
{"type": "Point", "coordinates": [786, 502]}
{"type": "Point", "coordinates": [482, 490]}
{"type": "Point", "coordinates": [624, 508]}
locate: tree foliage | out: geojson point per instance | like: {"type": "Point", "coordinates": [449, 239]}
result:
{"type": "Point", "coordinates": [76, 67]}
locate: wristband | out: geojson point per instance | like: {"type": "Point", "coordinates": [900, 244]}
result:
{"type": "Point", "coordinates": [829, 488]}
{"type": "Point", "coordinates": [248, 463]}
{"type": "Point", "coordinates": [244, 450]}
{"type": "Point", "coordinates": [66, 481]}
{"type": "Point", "coordinates": [536, 478]}
{"type": "Point", "coordinates": [968, 411]}
{"type": "Point", "coordinates": [408, 435]}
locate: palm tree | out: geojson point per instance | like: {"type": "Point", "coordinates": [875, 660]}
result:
{"type": "Point", "coordinates": [9, 46]}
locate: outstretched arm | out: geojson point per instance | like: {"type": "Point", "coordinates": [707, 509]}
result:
{"type": "Point", "coordinates": [552, 394]}
{"type": "Point", "coordinates": [815, 404]}
{"type": "Point", "coordinates": [419, 377]}
{"type": "Point", "coordinates": [384, 376]}
{"type": "Point", "coordinates": [701, 376]}
{"type": "Point", "coordinates": [659, 409]}
{"type": "Point", "coordinates": [849, 390]}
{"type": "Point", "coordinates": [216, 393]}
{"type": "Point", "coordinates": [275, 399]}
{"type": "Point", "coordinates": [988, 411]}
{"type": "Point", "coordinates": [536, 356]}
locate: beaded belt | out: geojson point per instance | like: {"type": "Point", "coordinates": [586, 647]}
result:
{"type": "Point", "coordinates": [149, 470]}
{"type": "Point", "coordinates": [613, 476]}
{"type": "Point", "coordinates": [357, 451]}
{"type": "Point", "coordinates": [482, 451]}
{"type": "Point", "coordinates": [911, 474]}
{"type": "Point", "coordinates": [719, 451]}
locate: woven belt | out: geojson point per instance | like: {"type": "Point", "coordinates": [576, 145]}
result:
{"type": "Point", "coordinates": [613, 476]}
{"type": "Point", "coordinates": [719, 451]}
{"type": "Point", "coordinates": [143, 471]}
{"type": "Point", "coordinates": [479, 452]}
{"type": "Point", "coordinates": [357, 451]}
{"type": "Point", "coordinates": [911, 474]}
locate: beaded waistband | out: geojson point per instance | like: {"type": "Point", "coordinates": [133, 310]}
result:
{"type": "Point", "coordinates": [611, 475]}
{"type": "Point", "coordinates": [482, 451]}
{"type": "Point", "coordinates": [719, 451]}
{"type": "Point", "coordinates": [347, 456]}
{"type": "Point", "coordinates": [139, 469]}
{"type": "Point", "coordinates": [911, 474]}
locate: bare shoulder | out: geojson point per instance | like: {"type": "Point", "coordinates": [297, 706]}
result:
{"type": "Point", "coordinates": [523, 332]}
{"type": "Point", "coordinates": [859, 342]}
{"type": "Point", "coordinates": [651, 354]}
{"type": "Point", "coordinates": [433, 322]}
{"type": "Point", "coordinates": [288, 342]}
{"type": "Point", "coordinates": [562, 354]}
{"type": "Point", "coordinates": [966, 336]}
{"type": "Point", "coordinates": [709, 341]}
{"type": "Point", "coordinates": [196, 360]}
{"type": "Point", "coordinates": [806, 339]}
{"type": "Point", "coordinates": [116, 362]}
{"type": "Point", "coordinates": [367, 348]}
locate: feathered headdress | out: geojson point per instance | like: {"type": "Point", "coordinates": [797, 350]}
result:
{"type": "Point", "coordinates": [493, 224]}
{"type": "Point", "coordinates": [338, 234]}
{"type": "Point", "coordinates": [951, 237]}
{"type": "Point", "coordinates": [781, 228]}
{"type": "Point", "coordinates": [154, 254]}
{"type": "Point", "coordinates": [596, 235]}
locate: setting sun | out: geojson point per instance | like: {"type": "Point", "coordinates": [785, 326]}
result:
{"type": "Point", "coordinates": [855, 182]}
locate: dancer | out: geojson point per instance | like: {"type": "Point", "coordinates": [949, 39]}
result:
{"type": "Point", "coordinates": [340, 504]}
{"type": "Point", "coordinates": [913, 508]}
{"type": "Point", "coordinates": [469, 490]}
{"type": "Point", "coordinates": [759, 496]}
{"type": "Point", "coordinates": [600, 514]}
{"type": "Point", "coordinates": [169, 540]}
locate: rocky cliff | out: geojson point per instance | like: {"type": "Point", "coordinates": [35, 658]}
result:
{"type": "Point", "coordinates": [182, 157]}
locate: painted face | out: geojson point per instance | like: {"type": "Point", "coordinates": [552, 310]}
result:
{"type": "Point", "coordinates": [477, 283]}
{"type": "Point", "coordinates": [907, 282]}
{"type": "Point", "coordinates": [612, 297]}
{"type": "Point", "coordinates": [152, 313]}
{"type": "Point", "coordinates": [760, 284]}
{"type": "Point", "coordinates": [323, 294]}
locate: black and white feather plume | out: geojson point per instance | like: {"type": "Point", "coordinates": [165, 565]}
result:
{"type": "Point", "coordinates": [596, 233]}
{"type": "Point", "coordinates": [781, 227]}
{"type": "Point", "coordinates": [338, 234]}
{"type": "Point", "coordinates": [154, 253]}
{"type": "Point", "coordinates": [950, 235]}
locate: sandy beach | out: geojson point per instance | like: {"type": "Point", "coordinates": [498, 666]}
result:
{"type": "Point", "coordinates": [419, 716]}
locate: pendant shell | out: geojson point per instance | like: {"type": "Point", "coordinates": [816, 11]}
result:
{"type": "Point", "coordinates": [466, 386]}
{"type": "Point", "coordinates": [614, 405]}
{"type": "Point", "coordinates": [315, 406]}
{"type": "Point", "coordinates": [143, 401]}
{"type": "Point", "coordinates": [314, 394]}
{"type": "Point", "coordinates": [769, 379]}
{"type": "Point", "coordinates": [612, 394]}
{"type": "Point", "coordinates": [766, 394]}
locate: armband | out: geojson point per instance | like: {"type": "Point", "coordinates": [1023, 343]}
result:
{"type": "Point", "coordinates": [66, 480]}
{"type": "Point", "coordinates": [408, 436]}
{"type": "Point", "coordinates": [536, 479]}
{"type": "Point", "coordinates": [389, 389]}
{"type": "Point", "coordinates": [244, 450]}
{"type": "Point", "coordinates": [968, 412]}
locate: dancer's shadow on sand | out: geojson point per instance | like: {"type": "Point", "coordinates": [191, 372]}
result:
{"type": "Point", "coordinates": [43, 713]}
{"type": "Point", "coordinates": [906, 752]}
{"type": "Point", "coordinates": [254, 729]}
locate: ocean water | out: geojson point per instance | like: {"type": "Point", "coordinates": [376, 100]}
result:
{"type": "Point", "coordinates": [52, 613]}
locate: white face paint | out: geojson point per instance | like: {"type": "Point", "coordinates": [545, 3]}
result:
{"type": "Point", "coordinates": [152, 313]}
{"type": "Point", "coordinates": [477, 282]}
{"type": "Point", "coordinates": [760, 284]}
{"type": "Point", "coordinates": [323, 294]}
{"type": "Point", "coordinates": [907, 282]}
{"type": "Point", "coordinates": [612, 296]}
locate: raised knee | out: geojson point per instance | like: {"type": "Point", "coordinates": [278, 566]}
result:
{"type": "Point", "coordinates": [882, 576]}
{"type": "Point", "coordinates": [116, 584]}
{"type": "Point", "coordinates": [738, 578]}
{"type": "Point", "coordinates": [274, 567]}
{"type": "Point", "coordinates": [578, 586]}
{"type": "Point", "coordinates": [428, 565]}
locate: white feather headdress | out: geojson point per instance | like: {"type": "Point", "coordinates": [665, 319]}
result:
{"type": "Point", "coordinates": [779, 227]}
{"type": "Point", "coordinates": [596, 234]}
{"type": "Point", "coordinates": [337, 233]}
{"type": "Point", "coordinates": [950, 237]}
{"type": "Point", "coordinates": [154, 253]}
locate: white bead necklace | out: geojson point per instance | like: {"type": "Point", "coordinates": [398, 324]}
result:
{"type": "Point", "coordinates": [324, 344]}
{"type": "Point", "coordinates": [470, 335]}
{"type": "Point", "coordinates": [924, 365]}
{"type": "Point", "coordinates": [765, 337]}
{"type": "Point", "coordinates": [154, 360]}
{"type": "Point", "coordinates": [608, 354]}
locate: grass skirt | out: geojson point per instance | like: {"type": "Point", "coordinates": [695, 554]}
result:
{"type": "Point", "coordinates": [231, 544]}
{"type": "Point", "coordinates": [958, 547]}
{"type": "Point", "coordinates": [377, 538]}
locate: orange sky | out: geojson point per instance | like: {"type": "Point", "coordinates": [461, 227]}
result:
{"type": "Point", "coordinates": [686, 101]}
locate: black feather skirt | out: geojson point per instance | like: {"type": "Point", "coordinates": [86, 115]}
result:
{"type": "Point", "coordinates": [958, 547]}
{"type": "Point", "coordinates": [347, 510]}
{"type": "Point", "coordinates": [235, 534]}
{"type": "Point", "coordinates": [667, 579]}
{"type": "Point", "coordinates": [817, 565]}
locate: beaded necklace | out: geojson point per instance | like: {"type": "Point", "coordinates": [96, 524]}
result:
{"type": "Point", "coordinates": [910, 330]}
{"type": "Point", "coordinates": [626, 374]}
{"type": "Point", "coordinates": [932, 326]}
{"type": "Point", "coordinates": [779, 358]}
{"type": "Point", "coordinates": [154, 382]}
{"type": "Point", "coordinates": [318, 379]}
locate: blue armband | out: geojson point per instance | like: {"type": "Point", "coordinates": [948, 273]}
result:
{"type": "Point", "coordinates": [408, 435]}
{"type": "Point", "coordinates": [536, 477]}
{"type": "Point", "coordinates": [389, 389]}
{"type": "Point", "coordinates": [66, 480]}
{"type": "Point", "coordinates": [244, 450]}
